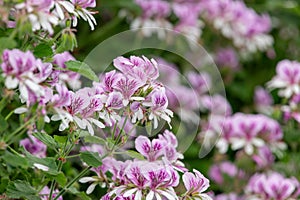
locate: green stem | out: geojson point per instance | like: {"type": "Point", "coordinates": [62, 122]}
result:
{"type": "Point", "coordinates": [9, 114]}
{"type": "Point", "coordinates": [20, 133]}
{"type": "Point", "coordinates": [72, 182]}
{"type": "Point", "coordinates": [20, 128]}
{"type": "Point", "coordinates": [114, 131]}
{"type": "Point", "coordinates": [14, 151]}
{"type": "Point", "coordinates": [53, 181]}
{"type": "Point", "coordinates": [58, 168]}
{"type": "Point", "coordinates": [71, 146]}
{"type": "Point", "coordinates": [13, 34]}
{"type": "Point", "coordinates": [120, 135]}
{"type": "Point", "coordinates": [72, 156]}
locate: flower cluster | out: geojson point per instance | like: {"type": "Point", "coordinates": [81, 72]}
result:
{"type": "Point", "coordinates": [133, 88]}
{"type": "Point", "coordinates": [155, 177]}
{"type": "Point", "coordinates": [247, 29]}
{"type": "Point", "coordinates": [250, 132]}
{"type": "Point", "coordinates": [46, 14]}
{"type": "Point", "coordinates": [273, 185]}
{"type": "Point", "coordinates": [36, 80]}
{"type": "Point", "coordinates": [23, 71]}
{"type": "Point", "coordinates": [155, 15]}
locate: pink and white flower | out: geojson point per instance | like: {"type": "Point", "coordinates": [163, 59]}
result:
{"type": "Point", "coordinates": [287, 78]}
{"type": "Point", "coordinates": [195, 185]}
{"type": "Point", "coordinates": [272, 186]}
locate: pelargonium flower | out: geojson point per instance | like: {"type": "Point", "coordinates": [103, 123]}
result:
{"type": "Point", "coordinates": [82, 110]}
{"type": "Point", "coordinates": [134, 88]}
{"type": "Point", "coordinates": [216, 104]}
{"type": "Point", "coordinates": [163, 148]}
{"type": "Point", "coordinates": [227, 58]}
{"type": "Point", "coordinates": [291, 110]}
{"type": "Point", "coordinates": [264, 157]}
{"type": "Point", "coordinates": [272, 185]}
{"type": "Point", "coordinates": [218, 171]}
{"type": "Point", "coordinates": [249, 133]}
{"type": "Point", "coordinates": [155, 177]}
{"type": "Point", "coordinates": [189, 22]}
{"type": "Point", "coordinates": [247, 29]}
{"type": "Point", "coordinates": [162, 181]}
{"type": "Point", "coordinates": [154, 14]}
{"type": "Point", "coordinates": [86, 105]}
{"type": "Point", "coordinates": [23, 70]}
{"type": "Point", "coordinates": [46, 14]}
{"type": "Point", "coordinates": [141, 175]}
{"type": "Point", "coordinates": [158, 107]}
{"type": "Point", "coordinates": [263, 100]}
{"type": "Point", "coordinates": [109, 80]}
{"type": "Point", "coordinates": [141, 69]}
{"type": "Point", "coordinates": [223, 142]}
{"type": "Point", "coordinates": [62, 98]}
{"type": "Point", "coordinates": [152, 150]}
{"type": "Point", "coordinates": [69, 77]}
{"type": "Point", "coordinates": [127, 87]}
{"type": "Point", "coordinates": [287, 78]}
{"type": "Point", "coordinates": [195, 185]}
{"type": "Point", "coordinates": [247, 128]}
{"type": "Point", "coordinates": [39, 14]}
{"type": "Point", "coordinates": [34, 146]}
{"type": "Point", "coordinates": [81, 11]}
{"type": "Point", "coordinates": [201, 82]}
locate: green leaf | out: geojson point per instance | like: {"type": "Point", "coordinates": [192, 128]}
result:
{"type": "Point", "coordinates": [291, 134]}
{"type": "Point", "coordinates": [21, 189]}
{"type": "Point", "coordinates": [110, 143]}
{"type": "Point", "coordinates": [3, 184]}
{"type": "Point", "coordinates": [134, 154]}
{"type": "Point", "coordinates": [7, 43]}
{"type": "Point", "coordinates": [3, 102]}
{"type": "Point", "coordinates": [15, 160]}
{"type": "Point", "coordinates": [60, 139]}
{"type": "Point", "coordinates": [91, 158]}
{"type": "Point", "coordinates": [149, 128]}
{"type": "Point", "coordinates": [43, 50]}
{"type": "Point", "coordinates": [81, 195]}
{"type": "Point", "coordinates": [94, 140]}
{"type": "Point", "coordinates": [61, 179]}
{"type": "Point", "coordinates": [48, 162]}
{"type": "Point", "coordinates": [83, 69]}
{"type": "Point", "coordinates": [3, 123]}
{"type": "Point", "coordinates": [83, 133]}
{"type": "Point", "coordinates": [40, 123]}
{"type": "Point", "coordinates": [46, 139]}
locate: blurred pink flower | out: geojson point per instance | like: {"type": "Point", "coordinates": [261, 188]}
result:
{"type": "Point", "coordinates": [273, 186]}
{"type": "Point", "coordinates": [287, 78]}
{"type": "Point", "coordinates": [34, 146]}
